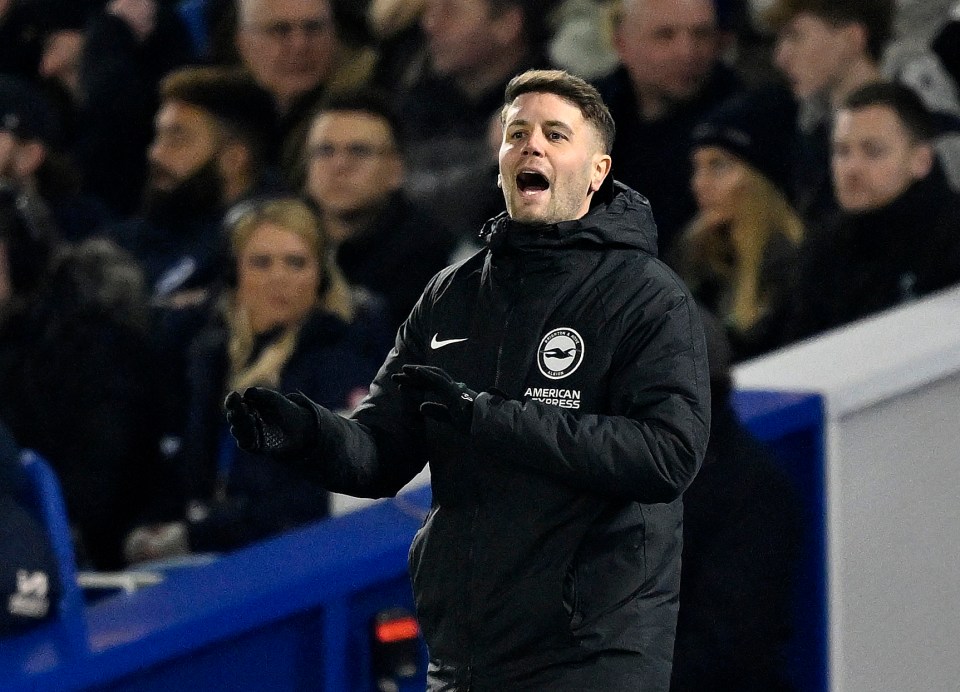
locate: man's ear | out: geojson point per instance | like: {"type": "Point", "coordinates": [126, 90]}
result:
{"type": "Point", "coordinates": [921, 160]}
{"type": "Point", "coordinates": [396, 170]}
{"type": "Point", "coordinates": [499, 181]}
{"type": "Point", "coordinates": [856, 36]}
{"type": "Point", "coordinates": [601, 168]}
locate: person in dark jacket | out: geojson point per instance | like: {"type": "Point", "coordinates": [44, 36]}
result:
{"type": "Point", "coordinates": [898, 235]}
{"type": "Point", "coordinates": [556, 382]}
{"type": "Point", "coordinates": [77, 384]}
{"type": "Point", "coordinates": [670, 78]}
{"type": "Point", "coordinates": [353, 171]}
{"type": "Point", "coordinates": [742, 523]}
{"type": "Point", "coordinates": [290, 321]}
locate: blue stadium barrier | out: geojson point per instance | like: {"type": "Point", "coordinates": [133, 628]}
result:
{"type": "Point", "coordinates": [47, 500]}
{"type": "Point", "coordinates": [294, 612]}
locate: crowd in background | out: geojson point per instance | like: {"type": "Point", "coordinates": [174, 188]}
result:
{"type": "Point", "coordinates": [204, 195]}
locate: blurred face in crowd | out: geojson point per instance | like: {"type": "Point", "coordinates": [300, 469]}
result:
{"type": "Point", "coordinates": [278, 276]}
{"type": "Point", "coordinates": [462, 35]}
{"type": "Point", "coordinates": [813, 53]}
{"type": "Point", "coordinates": [719, 179]}
{"type": "Point", "coordinates": [352, 162]}
{"type": "Point", "coordinates": [288, 45]}
{"type": "Point", "coordinates": [60, 59]}
{"type": "Point", "coordinates": [550, 160]}
{"type": "Point", "coordinates": [668, 46]}
{"type": "Point", "coordinates": [19, 159]}
{"type": "Point", "coordinates": [185, 139]}
{"type": "Point", "coordinates": [874, 158]}
{"type": "Point", "coordinates": [185, 175]}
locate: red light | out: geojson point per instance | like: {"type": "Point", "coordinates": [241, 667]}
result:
{"type": "Point", "coordinates": [401, 629]}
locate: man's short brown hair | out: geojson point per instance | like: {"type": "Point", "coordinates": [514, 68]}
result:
{"type": "Point", "coordinates": [570, 88]}
{"type": "Point", "coordinates": [876, 16]}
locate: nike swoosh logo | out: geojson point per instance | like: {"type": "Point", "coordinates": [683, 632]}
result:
{"type": "Point", "coordinates": [436, 343]}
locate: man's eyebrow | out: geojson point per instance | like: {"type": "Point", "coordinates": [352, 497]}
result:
{"type": "Point", "coordinates": [549, 123]}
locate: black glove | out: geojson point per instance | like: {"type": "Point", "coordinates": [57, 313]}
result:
{"type": "Point", "coordinates": [262, 420]}
{"type": "Point", "coordinates": [454, 403]}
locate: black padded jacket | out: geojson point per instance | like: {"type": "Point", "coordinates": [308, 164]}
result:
{"type": "Point", "coordinates": [555, 529]}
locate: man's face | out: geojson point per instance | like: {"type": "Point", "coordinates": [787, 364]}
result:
{"type": "Point", "coordinates": [458, 34]}
{"type": "Point", "coordinates": [812, 54]}
{"type": "Point", "coordinates": [61, 58]}
{"type": "Point", "coordinates": [668, 46]}
{"type": "Point", "coordinates": [352, 162]}
{"type": "Point", "coordinates": [185, 139]}
{"type": "Point", "coordinates": [20, 159]}
{"type": "Point", "coordinates": [550, 160]}
{"type": "Point", "coordinates": [874, 159]}
{"type": "Point", "coordinates": [288, 45]}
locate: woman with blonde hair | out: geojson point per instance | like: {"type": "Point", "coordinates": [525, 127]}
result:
{"type": "Point", "coordinates": [737, 253]}
{"type": "Point", "coordinates": [288, 320]}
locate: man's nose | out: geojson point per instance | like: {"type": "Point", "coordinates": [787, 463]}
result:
{"type": "Point", "coordinates": [534, 145]}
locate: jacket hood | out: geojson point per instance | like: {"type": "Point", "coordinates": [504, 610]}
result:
{"type": "Point", "coordinates": [622, 219]}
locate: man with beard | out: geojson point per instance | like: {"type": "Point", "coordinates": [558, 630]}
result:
{"type": "Point", "coordinates": [211, 132]}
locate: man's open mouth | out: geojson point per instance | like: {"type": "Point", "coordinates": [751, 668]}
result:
{"type": "Point", "coordinates": [531, 182]}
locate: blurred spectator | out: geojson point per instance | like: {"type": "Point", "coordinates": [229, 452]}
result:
{"type": "Point", "coordinates": [474, 47]}
{"type": "Point", "coordinates": [580, 38]}
{"type": "Point", "coordinates": [898, 234]}
{"type": "Point", "coordinates": [670, 77]}
{"type": "Point", "coordinates": [62, 31]}
{"type": "Point", "coordinates": [207, 154]}
{"type": "Point", "coordinates": [946, 45]}
{"type": "Point", "coordinates": [354, 173]}
{"type": "Point", "coordinates": [20, 41]}
{"type": "Point", "coordinates": [395, 28]}
{"type": "Point", "coordinates": [737, 254]}
{"type": "Point", "coordinates": [291, 322]}
{"type": "Point", "coordinates": [31, 160]}
{"type": "Point", "coordinates": [741, 540]}
{"type": "Point", "coordinates": [299, 52]}
{"type": "Point", "coordinates": [29, 589]}
{"type": "Point", "coordinates": [129, 46]}
{"type": "Point", "coordinates": [825, 50]}
{"type": "Point", "coordinates": [77, 384]}
{"type": "Point", "coordinates": [28, 241]}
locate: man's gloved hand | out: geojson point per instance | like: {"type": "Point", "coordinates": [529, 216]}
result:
{"type": "Point", "coordinates": [455, 399]}
{"type": "Point", "coordinates": [262, 420]}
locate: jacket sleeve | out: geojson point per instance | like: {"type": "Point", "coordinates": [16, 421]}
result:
{"type": "Point", "coordinates": [650, 444]}
{"type": "Point", "coordinates": [379, 448]}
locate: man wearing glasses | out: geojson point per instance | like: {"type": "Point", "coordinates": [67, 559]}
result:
{"type": "Point", "coordinates": [295, 50]}
{"type": "Point", "coordinates": [354, 170]}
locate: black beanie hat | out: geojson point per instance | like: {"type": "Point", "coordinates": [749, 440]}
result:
{"type": "Point", "coordinates": [757, 127]}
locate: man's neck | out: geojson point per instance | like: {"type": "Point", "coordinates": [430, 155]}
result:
{"type": "Point", "coordinates": [236, 189]}
{"type": "Point", "coordinates": [341, 227]}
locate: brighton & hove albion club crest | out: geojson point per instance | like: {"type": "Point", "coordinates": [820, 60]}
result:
{"type": "Point", "coordinates": [560, 353]}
